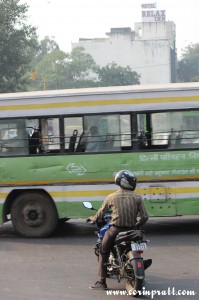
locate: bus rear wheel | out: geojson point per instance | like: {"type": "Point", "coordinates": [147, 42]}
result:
{"type": "Point", "coordinates": [33, 214]}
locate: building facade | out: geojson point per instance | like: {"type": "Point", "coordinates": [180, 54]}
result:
{"type": "Point", "coordinates": [149, 50]}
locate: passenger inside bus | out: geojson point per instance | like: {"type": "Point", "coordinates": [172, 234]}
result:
{"type": "Point", "coordinates": [93, 144]}
{"type": "Point", "coordinates": [22, 137]}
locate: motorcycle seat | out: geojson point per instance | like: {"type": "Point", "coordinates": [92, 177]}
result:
{"type": "Point", "coordinates": [131, 235]}
{"type": "Point", "coordinates": [122, 233]}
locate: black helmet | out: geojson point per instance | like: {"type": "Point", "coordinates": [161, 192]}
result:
{"type": "Point", "coordinates": [126, 180]}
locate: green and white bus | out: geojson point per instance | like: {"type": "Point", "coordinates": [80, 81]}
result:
{"type": "Point", "coordinates": [46, 170]}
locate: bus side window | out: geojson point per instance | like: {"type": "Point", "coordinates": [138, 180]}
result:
{"type": "Point", "coordinates": [94, 142]}
{"type": "Point", "coordinates": [18, 144]}
{"type": "Point", "coordinates": [113, 134]}
{"type": "Point", "coordinates": [109, 141]}
{"type": "Point", "coordinates": [73, 130]}
{"type": "Point", "coordinates": [81, 146]}
{"type": "Point", "coordinates": [142, 134]}
{"type": "Point", "coordinates": [142, 140]}
{"type": "Point", "coordinates": [102, 132]}
{"type": "Point", "coordinates": [50, 135]}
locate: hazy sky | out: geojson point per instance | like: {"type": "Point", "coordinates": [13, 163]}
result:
{"type": "Point", "coordinates": [69, 20]}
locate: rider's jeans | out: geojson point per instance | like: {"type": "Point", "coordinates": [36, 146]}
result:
{"type": "Point", "coordinates": [106, 246]}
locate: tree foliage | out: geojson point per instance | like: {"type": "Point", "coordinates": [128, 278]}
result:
{"type": "Point", "coordinates": [188, 66]}
{"type": "Point", "coordinates": [46, 46]}
{"type": "Point", "coordinates": [18, 43]}
{"type": "Point", "coordinates": [114, 75]}
{"type": "Point", "coordinates": [62, 70]}
{"type": "Point", "coordinates": [51, 70]}
{"type": "Point", "coordinates": [80, 69]}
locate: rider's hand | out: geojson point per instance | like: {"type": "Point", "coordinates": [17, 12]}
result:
{"type": "Point", "coordinates": [90, 219]}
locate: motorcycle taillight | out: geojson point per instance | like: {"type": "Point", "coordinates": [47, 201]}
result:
{"type": "Point", "coordinates": [139, 264]}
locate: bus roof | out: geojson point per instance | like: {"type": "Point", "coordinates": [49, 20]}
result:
{"type": "Point", "coordinates": [101, 100]}
{"type": "Point", "coordinates": [103, 90]}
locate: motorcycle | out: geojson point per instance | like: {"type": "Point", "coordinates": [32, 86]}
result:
{"type": "Point", "coordinates": [125, 260]}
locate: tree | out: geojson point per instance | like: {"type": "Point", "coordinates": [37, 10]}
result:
{"type": "Point", "coordinates": [188, 66]}
{"type": "Point", "coordinates": [46, 46]}
{"type": "Point", "coordinates": [80, 69]}
{"type": "Point", "coordinates": [18, 42]}
{"type": "Point", "coordinates": [50, 71]}
{"type": "Point", "coordinates": [114, 75]}
{"type": "Point", "coordinates": [65, 70]}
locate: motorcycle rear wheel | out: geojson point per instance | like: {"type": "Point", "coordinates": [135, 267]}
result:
{"type": "Point", "coordinates": [133, 286]}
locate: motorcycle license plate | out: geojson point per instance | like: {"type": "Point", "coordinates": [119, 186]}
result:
{"type": "Point", "coordinates": [137, 247]}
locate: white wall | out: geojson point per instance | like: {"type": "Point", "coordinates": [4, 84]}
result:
{"type": "Point", "coordinates": [146, 50]}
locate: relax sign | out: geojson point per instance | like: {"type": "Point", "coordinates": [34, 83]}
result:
{"type": "Point", "coordinates": [150, 13]}
{"type": "Point", "coordinates": [153, 15]}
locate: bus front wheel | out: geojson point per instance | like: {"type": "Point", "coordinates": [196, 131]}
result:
{"type": "Point", "coordinates": [33, 214]}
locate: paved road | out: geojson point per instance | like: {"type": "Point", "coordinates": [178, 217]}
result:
{"type": "Point", "coordinates": [62, 266]}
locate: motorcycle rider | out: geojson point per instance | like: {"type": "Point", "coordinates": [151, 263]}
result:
{"type": "Point", "coordinates": [128, 212]}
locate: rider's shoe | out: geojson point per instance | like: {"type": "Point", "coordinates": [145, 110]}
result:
{"type": "Point", "coordinates": [147, 263]}
{"type": "Point", "coordinates": [98, 286]}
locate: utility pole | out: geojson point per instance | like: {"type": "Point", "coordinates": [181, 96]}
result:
{"type": "Point", "coordinates": [45, 82]}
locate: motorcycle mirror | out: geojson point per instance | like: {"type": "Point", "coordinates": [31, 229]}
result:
{"type": "Point", "coordinates": [88, 204]}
